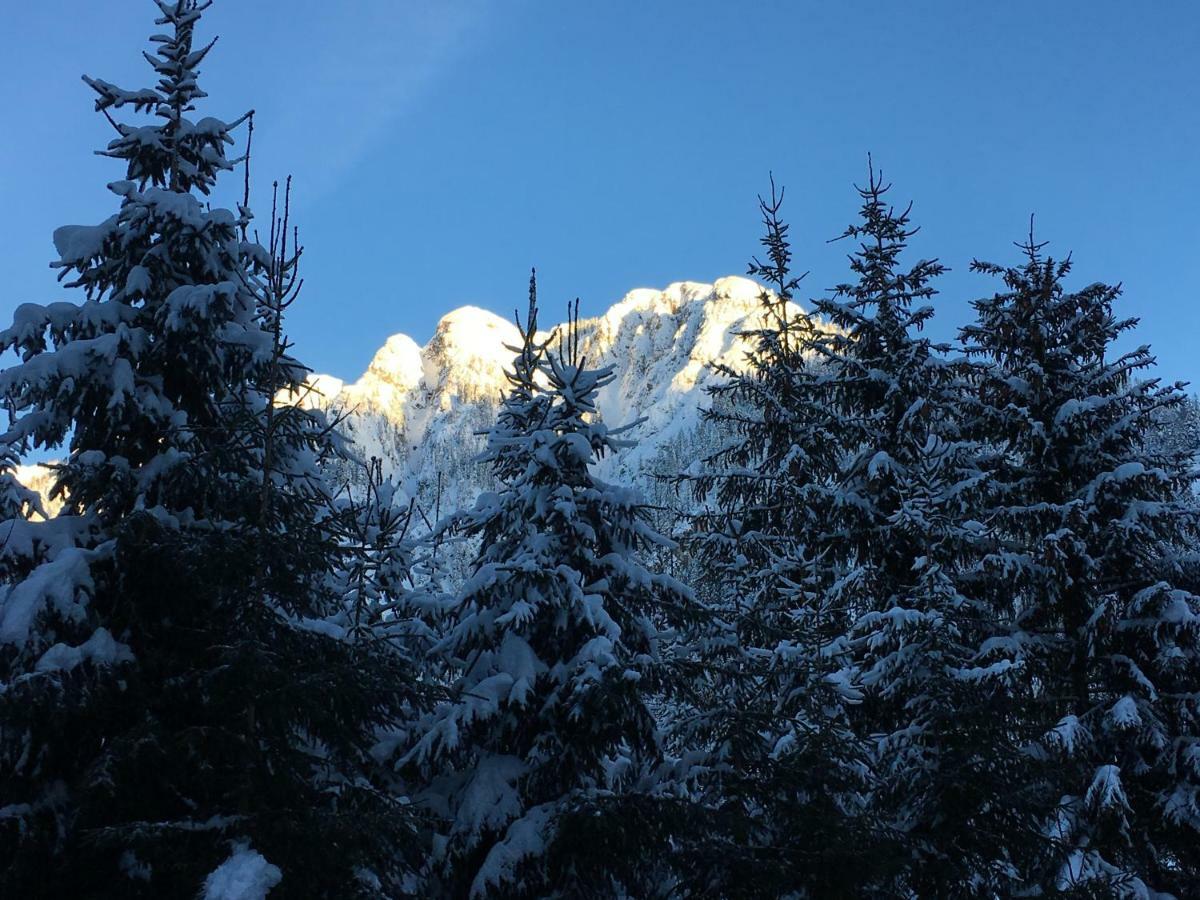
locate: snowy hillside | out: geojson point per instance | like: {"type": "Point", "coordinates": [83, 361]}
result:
{"type": "Point", "coordinates": [419, 408]}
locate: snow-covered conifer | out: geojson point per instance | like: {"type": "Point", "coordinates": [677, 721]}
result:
{"type": "Point", "coordinates": [787, 773]}
{"type": "Point", "coordinates": [386, 581]}
{"type": "Point", "coordinates": [170, 686]}
{"type": "Point", "coordinates": [545, 760]}
{"type": "Point", "coordinates": [1097, 539]}
{"type": "Point", "coordinates": [902, 536]}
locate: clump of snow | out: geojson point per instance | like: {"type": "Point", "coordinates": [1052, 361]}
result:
{"type": "Point", "coordinates": [526, 837]}
{"type": "Point", "coordinates": [1067, 734]}
{"type": "Point", "coordinates": [245, 875]}
{"type": "Point", "coordinates": [78, 243]}
{"type": "Point", "coordinates": [60, 584]}
{"type": "Point", "coordinates": [490, 798]}
{"type": "Point", "coordinates": [1124, 713]}
{"type": "Point", "coordinates": [101, 649]}
{"type": "Point", "coordinates": [1106, 789]}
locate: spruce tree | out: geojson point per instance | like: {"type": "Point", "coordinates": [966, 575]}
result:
{"type": "Point", "coordinates": [787, 773]}
{"type": "Point", "coordinates": [902, 538]}
{"type": "Point", "coordinates": [1097, 545]}
{"type": "Point", "coordinates": [386, 579]}
{"type": "Point", "coordinates": [545, 759]}
{"type": "Point", "coordinates": [172, 694]}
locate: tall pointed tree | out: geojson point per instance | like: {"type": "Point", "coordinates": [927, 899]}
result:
{"type": "Point", "coordinates": [545, 759]}
{"type": "Point", "coordinates": [171, 694]}
{"type": "Point", "coordinates": [901, 538]}
{"type": "Point", "coordinates": [1097, 546]}
{"type": "Point", "coordinates": [788, 775]}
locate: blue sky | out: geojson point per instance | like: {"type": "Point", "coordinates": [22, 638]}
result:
{"type": "Point", "coordinates": [442, 148]}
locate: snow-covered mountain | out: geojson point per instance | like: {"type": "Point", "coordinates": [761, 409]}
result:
{"type": "Point", "coordinates": [39, 478]}
{"type": "Point", "coordinates": [420, 409]}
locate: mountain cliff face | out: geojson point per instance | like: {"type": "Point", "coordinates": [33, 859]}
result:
{"type": "Point", "coordinates": [419, 409]}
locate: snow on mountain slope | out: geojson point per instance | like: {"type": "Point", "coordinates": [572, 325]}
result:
{"type": "Point", "coordinates": [40, 478]}
{"type": "Point", "coordinates": [420, 409]}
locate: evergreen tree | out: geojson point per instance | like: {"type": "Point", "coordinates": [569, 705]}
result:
{"type": "Point", "coordinates": [171, 693]}
{"type": "Point", "coordinates": [545, 760]}
{"type": "Point", "coordinates": [1176, 429]}
{"type": "Point", "coordinates": [901, 537]}
{"type": "Point", "coordinates": [788, 775]}
{"type": "Point", "coordinates": [387, 579]}
{"type": "Point", "coordinates": [1097, 547]}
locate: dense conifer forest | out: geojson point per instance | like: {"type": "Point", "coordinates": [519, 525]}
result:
{"type": "Point", "coordinates": [924, 620]}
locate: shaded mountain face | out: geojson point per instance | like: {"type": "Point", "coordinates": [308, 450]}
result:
{"type": "Point", "coordinates": [420, 409]}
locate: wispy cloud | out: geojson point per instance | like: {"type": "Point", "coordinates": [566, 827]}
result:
{"type": "Point", "coordinates": [329, 80]}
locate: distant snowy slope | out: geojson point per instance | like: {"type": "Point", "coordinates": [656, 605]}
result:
{"type": "Point", "coordinates": [40, 478]}
{"type": "Point", "coordinates": [419, 408]}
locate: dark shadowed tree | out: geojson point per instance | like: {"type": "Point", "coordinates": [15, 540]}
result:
{"type": "Point", "coordinates": [788, 777]}
{"type": "Point", "coordinates": [1097, 549]}
{"type": "Point", "coordinates": [173, 694]}
{"type": "Point", "coordinates": [902, 538]}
